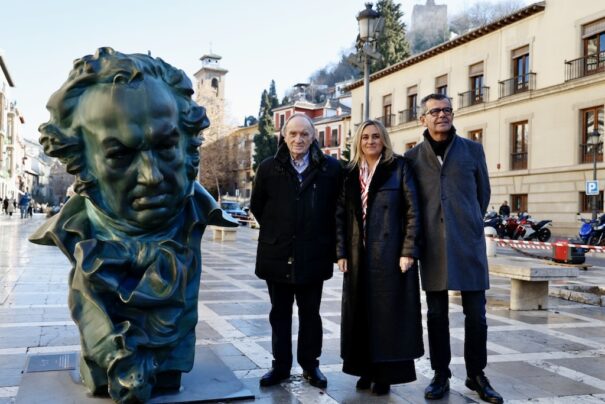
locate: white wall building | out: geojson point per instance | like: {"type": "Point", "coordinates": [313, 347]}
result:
{"type": "Point", "coordinates": [11, 146]}
{"type": "Point", "coordinates": [530, 87]}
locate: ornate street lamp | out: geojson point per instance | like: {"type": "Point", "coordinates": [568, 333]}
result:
{"type": "Point", "coordinates": [594, 139]}
{"type": "Point", "coordinates": [368, 22]}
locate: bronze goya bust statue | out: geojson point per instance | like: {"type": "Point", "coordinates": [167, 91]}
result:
{"type": "Point", "coordinates": [127, 128]}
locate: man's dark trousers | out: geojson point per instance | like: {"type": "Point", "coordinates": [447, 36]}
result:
{"type": "Point", "coordinates": [475, 331]}
{"type": "Point", "coordinates": [310, 333]}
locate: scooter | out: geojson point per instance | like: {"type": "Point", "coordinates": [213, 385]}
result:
{"type": "Point", "coordinates": [592, 232]}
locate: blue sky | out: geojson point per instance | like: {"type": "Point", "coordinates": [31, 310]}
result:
{"type": "Point", "coordinates": [258, 40]}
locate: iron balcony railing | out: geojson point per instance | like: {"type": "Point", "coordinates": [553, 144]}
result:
{"type": "Point", "coordinates": [518, 84]}
{"type": "Point", "coordinates": [518, 161]}
{"type": "Point", "coordinates": [584, 66]}
{"type": "Point", "coordinates": [408, 115]}
{"type": "Point", "coordinates": [387, 120]}
{"type": "Point", "coordinates": [473, 97]}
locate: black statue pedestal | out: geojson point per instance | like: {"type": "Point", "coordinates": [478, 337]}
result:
{"type": "Point", "coordinates": [54, 379]}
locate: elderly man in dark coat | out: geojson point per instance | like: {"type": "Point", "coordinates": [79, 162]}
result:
{"type": "Point", "coordinates": [454, 194]}
{"type": "Point", "coordinates": [294, 200]}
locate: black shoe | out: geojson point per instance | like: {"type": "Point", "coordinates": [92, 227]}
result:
{"type": "Point", "coordinates": [438, 387]}
{"type": "Point", "coordinates": [316, 378]}
{"type": "Point", "coordinates": [380, 389]}
{"type": "Point", "coordinates": [481, 385]}
{"type": "Point", "coordinates": [364, 383]}
{"type": "Point", "coordinates": [273, 377]}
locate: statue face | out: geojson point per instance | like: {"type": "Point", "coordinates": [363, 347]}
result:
{"type": "Point", "coordinates": [134, 148]}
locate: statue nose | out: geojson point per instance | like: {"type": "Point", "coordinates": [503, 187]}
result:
{"type": "Point", "coordinates": [149, 173]}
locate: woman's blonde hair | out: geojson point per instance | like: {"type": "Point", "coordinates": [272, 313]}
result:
{"type": "Point", "coordinates": [357, 154]}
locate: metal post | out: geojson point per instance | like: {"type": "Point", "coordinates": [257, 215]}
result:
{"type": "Point", "coordinates": [366, 82]}
{"type": "Point", "coordinates": [595, 198]}
{"type": "Point", "coordinates": [368, 20]}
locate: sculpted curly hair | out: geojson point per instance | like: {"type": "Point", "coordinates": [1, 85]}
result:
{"type": "Point", "coordinates": [61, 138]}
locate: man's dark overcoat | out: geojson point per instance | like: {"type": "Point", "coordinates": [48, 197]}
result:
{"type": "Point", "coordinates": [390, 298]}
{"type": "Point", "coordinates": [297, 225]}
{"type": "Point", "coordinates": [453, 198]}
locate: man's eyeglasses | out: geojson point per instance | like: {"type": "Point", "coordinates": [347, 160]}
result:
{"type": "Point", "coordinates": [447, 111]}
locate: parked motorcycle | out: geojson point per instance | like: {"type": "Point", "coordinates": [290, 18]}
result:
{"type": "Point", "coordinates": [511, 224]}
{"type": "Point", "coordinates": [592, 232]}
{"type": "Point", "coordinates": [493, 219]}
{"type": "Point", "coordinates": [528, 229]}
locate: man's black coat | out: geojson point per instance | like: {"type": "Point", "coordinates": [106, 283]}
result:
{"type": "Point", "coordinates": [297, 224]}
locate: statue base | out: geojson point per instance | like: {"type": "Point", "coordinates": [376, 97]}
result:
{"type": "Point", "coordinates": [55, 379]}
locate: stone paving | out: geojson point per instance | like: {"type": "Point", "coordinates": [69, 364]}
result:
{"type": "Point", "coordinates": [551, 356]}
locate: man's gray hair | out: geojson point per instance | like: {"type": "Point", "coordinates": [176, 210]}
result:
{"type": "Point", "coordinates": [434, 96]}
{"type": "Point", "coordinates": [298, 115]}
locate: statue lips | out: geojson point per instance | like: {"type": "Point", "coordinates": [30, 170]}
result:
{"type": "Point", "coordinates": [153, 201]}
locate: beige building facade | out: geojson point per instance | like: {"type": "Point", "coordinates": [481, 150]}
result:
{"type": "Point", "coordinates": [241, 149]}
{"type": "Point", "coordinates": [12, 148]}
{"type": "Point", "coordinates": [530, 87]}
{"type": "Point", "coordinates": [333, 134]}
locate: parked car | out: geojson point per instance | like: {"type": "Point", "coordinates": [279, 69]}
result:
{"type": "Point", "coordinates": [235, 211]}
{"type": "Point", "coordinates": [252, 220]}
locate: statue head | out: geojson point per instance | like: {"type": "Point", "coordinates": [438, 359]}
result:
{"type": "Point", "coordinates": [127, 128]}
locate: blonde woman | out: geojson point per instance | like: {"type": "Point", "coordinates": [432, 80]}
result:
{"type": "Point", "coordinates": [377, 213]}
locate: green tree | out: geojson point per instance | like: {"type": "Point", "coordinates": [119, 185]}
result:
{"type": "Point", "coordinates": [392, 43]}
{"type": "Point", "coordinates": [265, 142]}
{"type": "Point", "coordinates": [264, 102]}
{"type": "Point", "coordinates": [345, 156]}
{"type": "Point", "coordinates": [273, 95]}
{"type": "Point", "coordinates": [250, 120]}
{"type": "Point", "coordinates": [424, 39]}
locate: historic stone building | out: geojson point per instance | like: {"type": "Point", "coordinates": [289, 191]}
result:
{"type": "Point", "coordinates": [12, 148]}
{"type": "Point", "coordinates": [530, 87]}
{"type": "Point", "coordinates": [429, 26]}
{"type": "Point", "coordinates": [210, 93]}
{"type": "Point", "coordinates": [36, 171]}
{"type": "Point", "coordinates": [241, 155]}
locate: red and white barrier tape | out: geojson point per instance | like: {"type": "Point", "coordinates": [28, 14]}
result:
{"type": "Point", "coordinates": [538, 245]}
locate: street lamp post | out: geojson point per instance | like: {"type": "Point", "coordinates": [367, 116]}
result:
{"type": "Point", "coordinates": [367, 20]}
{"type": "Point", "coordinates": [594, 140]}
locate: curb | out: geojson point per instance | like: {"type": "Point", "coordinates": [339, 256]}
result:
{"type": "Point", "coordinates": [580, 295]}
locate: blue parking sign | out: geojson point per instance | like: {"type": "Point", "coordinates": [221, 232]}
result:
{"type": "Point", "coordinates": [592, 187]}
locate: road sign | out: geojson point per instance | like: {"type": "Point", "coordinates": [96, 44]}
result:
{"type": "Point", "coordinates": [592, 187]}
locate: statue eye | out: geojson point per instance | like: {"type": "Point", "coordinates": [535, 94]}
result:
{"type": "Point", "coordinates": [166, 151]}
{"type": "Point", "coordinates": [118, 156]}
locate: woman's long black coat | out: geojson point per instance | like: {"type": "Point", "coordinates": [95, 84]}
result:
{"type": "Point", "coordinates": [392, 298]}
